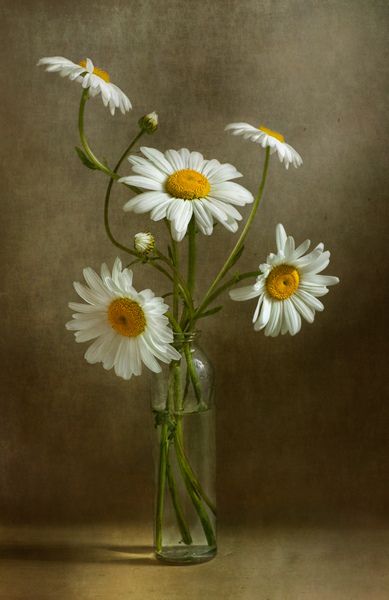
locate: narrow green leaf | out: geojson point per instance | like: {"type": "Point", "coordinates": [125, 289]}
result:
{"type": "Point", "coordinates": [170, 253]}
{"type": "Point", "coordinates": [210, 312]}
{"type": "Point", "coordinates": [237, 257]}
{"type": "Point", "coordinates": [84, 159]}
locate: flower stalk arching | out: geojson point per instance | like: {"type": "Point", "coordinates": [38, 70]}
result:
{"type": "Point", "coordinates": [239, 244]}
{"type": "Point", "coordinates": [113, 175]}
{"type": "Point", "coordinates": [88, 151]}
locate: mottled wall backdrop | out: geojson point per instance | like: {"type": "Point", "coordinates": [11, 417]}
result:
{"type": "Point", "coordinates": [302, 422]}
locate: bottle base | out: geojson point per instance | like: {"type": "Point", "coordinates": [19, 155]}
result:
{"type": "Point", "coordinates": [186, 555]}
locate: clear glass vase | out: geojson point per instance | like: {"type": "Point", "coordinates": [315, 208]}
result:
{"type": "Point", "coordinates": [184, 454]}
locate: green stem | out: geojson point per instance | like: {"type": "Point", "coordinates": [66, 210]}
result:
{"type": "Point", "coordinates": [108, 196]}
{"type": "Point", "coordinates": [88, 151]}
{"type": "Point", "coordinates": [192, 372]}
{"type": "Point", "coordinates": [175, 259]}
{"type": "Point", "coordinates": [230, 260]}
{"type": "Point", "coordinates": [184, 529]}
{"type": "Point", "coordinates": [195, 496]}
{"type": "Point", "coordinates": [179, 439]}
{"type": "Point", "coordinates": [183, 460]}
{"type": "Point", "coordinates": [164, 445]}
{"type": "Point", "coordinates": [192, 256]}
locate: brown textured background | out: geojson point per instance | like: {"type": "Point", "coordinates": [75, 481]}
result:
{"type": "Point", "coordinates": [302, 422]}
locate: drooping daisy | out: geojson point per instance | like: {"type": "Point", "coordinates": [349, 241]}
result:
{"type": "Point", "coordinates": [288, 287]}
{"type": "Point", "coordinates": [182, 184]}
{"type": "Point", "coordinates": [128, 327]}
{"type": "Point", "coordinates": [91, 77]}
{"type": "Point", "coordinates": [267, 137]}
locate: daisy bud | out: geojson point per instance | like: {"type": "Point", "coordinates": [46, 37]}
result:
{"type": "Point", "coordinates": [144, 243]}
{"type": "Point", "coordinates": [149, 122]}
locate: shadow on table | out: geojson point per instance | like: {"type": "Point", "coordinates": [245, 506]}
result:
{"type": "Point", "coordinates": [80, 553]}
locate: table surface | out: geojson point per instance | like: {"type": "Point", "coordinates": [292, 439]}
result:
{"type": "Point", "coordinates": [116, 563]}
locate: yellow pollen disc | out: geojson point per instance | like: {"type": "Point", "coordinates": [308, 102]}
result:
{"type": "Point", "coordinates": [99, 72]}
{"type": "Point", "coordinates": [126, 317]}
{"type": "Point", "coordinates": [188, 184]}
{"type": "Point", "coordinates": [274, 134]}
{"type": "Point", "coordinates": [282, 282]}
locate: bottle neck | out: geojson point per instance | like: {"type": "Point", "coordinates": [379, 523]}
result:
{"type": "Point", "coordinates": [187, 337]}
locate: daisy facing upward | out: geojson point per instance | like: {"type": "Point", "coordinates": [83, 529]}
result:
{"type": "Point", "coordinates": [181, 184]}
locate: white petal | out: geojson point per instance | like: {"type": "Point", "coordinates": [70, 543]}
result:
{"type": "Point", "coordinates": [245, 293]}
{"type": "Point", "coordinates": [203, 217]}
{"type": "Point", "coordinates": [146, 201]}
{"type": "Point", "coordinates": [158, 159]}
{"type": "Point", "coordinates": [310, 300]}
{"type": "Point", "coordinates": [264, 315]}
{"type": "Point", "coordinates": [292, 317]}
{"type": "Point", "coordinates": [273, 326]}
{"type": "Point", "coordinates": [305, 311]}
{"type": "Point", "coordinates": [146, 183]}
{"type": "Point", "coordinates": [280, 237]}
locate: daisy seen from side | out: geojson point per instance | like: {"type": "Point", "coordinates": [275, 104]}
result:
{"type": "Point", "coordinates": [96, 80]}
{"type": "Point", "coordinates": [129, 328]}
{"type": "Point", "coordinates": [268, 138]}
{"type": "Point", "coordinates": [288, 287]}
{"type": "Point", "coordinates": [180, 184]}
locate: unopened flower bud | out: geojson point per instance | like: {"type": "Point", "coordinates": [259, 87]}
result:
{"type": "Point", "coordinates": [149, 122]}
{"type": "Point", "coordinates": [144, 243]}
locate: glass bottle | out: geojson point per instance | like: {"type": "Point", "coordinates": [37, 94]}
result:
{"type": "Point", "coordinates": [184, 453]}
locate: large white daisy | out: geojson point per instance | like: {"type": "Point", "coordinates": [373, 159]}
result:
{"type": "Point", "coordinates": [267, 137]}
{"type": "Point", "coordinates": [183, 184]}
{"type": "Point", "coordinates": [288, 287]}
{"type": "Point", "coordinates": [91, 77]}
{"type": "Point", "coordinates": [129, 327]}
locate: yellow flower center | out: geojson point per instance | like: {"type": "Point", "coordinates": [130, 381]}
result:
{"type": "Point", "coordinates": [282, 282]}
{"type": "Point", "coordinates": [126, 317]}
{"type": "Point", "coordinates": [274, 134]}
{"type": "Point", "coordinates": [188, 184]}
{"type": "Point", "coordinates": [99, 72]}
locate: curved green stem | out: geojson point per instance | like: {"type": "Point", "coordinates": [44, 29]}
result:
{"type": "Point", "coordinates": [110, 235]}
{"type": "Point", "coordinates": [108, 196]}
{"type": "Point", "coordinates": [88, 151]}
{"type": "Point", "coordinates": [230, 260]}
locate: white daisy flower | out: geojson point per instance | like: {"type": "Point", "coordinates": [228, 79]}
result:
{"type": "Point", "coordinates": [91, 77]}
{"type": "Point", "coordinates": [182, 184]}
{"type": "Point", "coordinates": [128, 328]}
{"type": "Point", "coordinates": [267, 137]}
{"type": "Point", "coordinates": [288, 287]}
{"type": "Point", "coordinates": [144, 242]}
